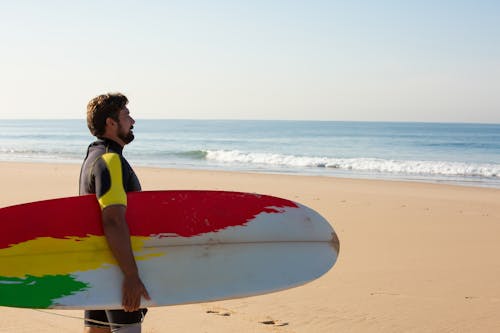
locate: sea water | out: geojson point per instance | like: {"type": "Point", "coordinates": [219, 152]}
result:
{"type": "Point", "coordinates": [466, 154]}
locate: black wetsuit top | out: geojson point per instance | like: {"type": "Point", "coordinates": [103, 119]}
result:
{"type": "Point", "coordinates": [107, 173]}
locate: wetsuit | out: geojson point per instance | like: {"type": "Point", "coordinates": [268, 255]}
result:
{"type": "Point", "coordinates": [107, 173]}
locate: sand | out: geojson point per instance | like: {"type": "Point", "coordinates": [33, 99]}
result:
{"type": "Point", "coordinates": [415, 257]}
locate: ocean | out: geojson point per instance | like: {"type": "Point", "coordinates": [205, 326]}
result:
{"type": "Point", "coordinates": [454, 153]}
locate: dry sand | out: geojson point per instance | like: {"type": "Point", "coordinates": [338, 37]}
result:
{"type": "Point", "coordinates": [414, 257]}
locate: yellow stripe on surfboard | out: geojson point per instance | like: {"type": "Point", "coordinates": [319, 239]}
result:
{"type": "Point", "coordinates": [51, 256]}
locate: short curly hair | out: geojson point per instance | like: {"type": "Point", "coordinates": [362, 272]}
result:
{"type": "Point", "coordinates": [102, 107]}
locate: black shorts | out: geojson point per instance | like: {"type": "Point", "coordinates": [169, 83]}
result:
{"type": "Point", "coordinates": [113, 317]}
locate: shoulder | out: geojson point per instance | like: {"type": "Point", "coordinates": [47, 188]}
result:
{"type": "Point", "coordinates": [109, 180]}
{"type": "Point", "coordinates": [112, 161]}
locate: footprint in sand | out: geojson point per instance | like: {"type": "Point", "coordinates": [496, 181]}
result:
{"type": "Point", "coordinates": [273, 322]}
{"type": "Point", "coordinates": [219, 313]}
{"type": "Point", "coordinates": [227, 313]}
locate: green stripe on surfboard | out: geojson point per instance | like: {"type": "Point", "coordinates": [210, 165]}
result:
{"type": "Point", "coordinates": [38, 292]}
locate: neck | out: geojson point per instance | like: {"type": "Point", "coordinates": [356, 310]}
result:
{"type": "Point", "coordinates": [115, 139]}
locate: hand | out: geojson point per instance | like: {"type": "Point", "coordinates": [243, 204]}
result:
{"type": "Point", "coordinates": [132, 291]}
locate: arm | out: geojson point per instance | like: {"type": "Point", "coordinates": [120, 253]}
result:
{"type": "Point", "coordinates": [118, 237]}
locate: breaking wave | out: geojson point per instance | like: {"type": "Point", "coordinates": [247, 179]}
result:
{"type": "Point", "coordinates": [437, 168]}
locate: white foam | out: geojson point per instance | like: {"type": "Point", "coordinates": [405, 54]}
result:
{"type": "Point", "coordinates": [443, 168]}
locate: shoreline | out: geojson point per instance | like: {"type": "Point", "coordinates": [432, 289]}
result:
{"type": "Point", "coordinates": [415, 257]}
{"type": "Point", "coordinates": [382, 178]}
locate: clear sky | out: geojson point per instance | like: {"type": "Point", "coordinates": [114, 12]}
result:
{"type": "Point", "coordinates": [259, 59]}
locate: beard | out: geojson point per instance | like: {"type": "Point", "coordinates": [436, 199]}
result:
{"type": "Point", "coordinates": [126, 136]}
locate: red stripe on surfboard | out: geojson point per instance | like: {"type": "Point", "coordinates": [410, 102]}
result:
{"type": "Point", "coordinates": [184, 213]}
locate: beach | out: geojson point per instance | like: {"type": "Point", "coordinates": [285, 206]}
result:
{"type": "Point", "coordinates": [414, 257]}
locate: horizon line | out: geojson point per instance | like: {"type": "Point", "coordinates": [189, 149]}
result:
{"type": "Point", "coordinates": [277, 120]}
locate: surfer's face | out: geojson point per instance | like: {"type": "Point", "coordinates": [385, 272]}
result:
{"type": "Point", "coordinates": [125, 126]}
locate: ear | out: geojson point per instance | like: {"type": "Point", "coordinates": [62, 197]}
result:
{"type": "Point", "coordinates": [110, 122]}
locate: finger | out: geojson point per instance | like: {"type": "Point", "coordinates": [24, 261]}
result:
{"type": "Point", "coordinates": [133, 302]}
{"type": "Point", "coordinates": [128, 302]}
{"type": "Point", "coordinates": [127, 306]}
{"type": "Point", "coordinates": [125, 302]}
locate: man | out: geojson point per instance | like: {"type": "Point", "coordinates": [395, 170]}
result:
{"type": "Point", "coordinates": [108, 175]}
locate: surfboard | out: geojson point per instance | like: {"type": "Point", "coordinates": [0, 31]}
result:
{"type": "Point", "coordinates": [190, 247]}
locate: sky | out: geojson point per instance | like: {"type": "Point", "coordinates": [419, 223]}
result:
{"type": "Point", "coordinates": [436, 61]}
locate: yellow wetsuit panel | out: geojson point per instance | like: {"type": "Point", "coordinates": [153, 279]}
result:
{"type": "Point", "coordinates": [116, 194]}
